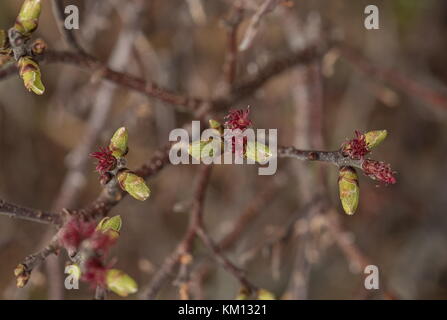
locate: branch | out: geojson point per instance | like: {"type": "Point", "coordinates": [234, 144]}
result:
{"type": "Point", "coordinates": [113, 194]}
{"type": "Point", "coordinates": [185, 244]}
{"type": "Point", "coordinates": [240, 90]}
{"type": "Point", "coordinates": [239, 274]}
{"type": "Point", "coordinates": [334, 157]}
{"type": "Point", "coordinates": [34, 215]}
{"type": "Point", "coordinates": [23, 270]}
{"type": "Point", "coordinates": [232, 25]}
{"type": "Point", "coordinates": [124, 79]}
{"type": "Point", "coordinates": [253, 27]}
{"type": "Point", "coordinates": [352, 252]}
{"type": "Point", "coordinates": [248, 85]}
{"type": "Point", "coordinates": [255, 207]}
{"type": "Point", "coordinates": [394, 78]}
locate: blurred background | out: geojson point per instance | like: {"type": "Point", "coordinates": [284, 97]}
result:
{"type": "Point", "coordinates": [181, 45]}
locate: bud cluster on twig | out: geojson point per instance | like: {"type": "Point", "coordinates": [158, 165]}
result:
{"type": "Point", "coordinates": [112, 167]}
{"type": "Point", "coordinates": [88, 246]}
{"type": "Point", "coordinates": [231, 134]}
{"type": "Point", "coordinates": [15, 44]}
{"type": "Point", "coordinates": [356, 149]}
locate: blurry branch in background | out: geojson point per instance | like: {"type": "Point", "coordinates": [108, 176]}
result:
{"type": "Point", "coordinates": [253, 28]}
{"type": "Point", "coordinates": [242, 89]}
{"type": "Point", "coordinates": [231, 25]}
{"type": "Point", "coordinates": [197, 11]}
{"type": "Point", "coordinates": [246, 86]}
{"type": "Point", "coordinates": [182, 254]}
{"type": "Point", "coordinates": [394, 78]}
{"type": "Point", "coordinates": [354, 255]}
{"type": "Point", "coordinates": [255, 207]}
{"type": "Point", "coordinates": [184, 247]}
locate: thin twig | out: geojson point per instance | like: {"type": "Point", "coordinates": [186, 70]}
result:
{"type": "Point", "coordinates": [238, 273]}
{"type": "Point", "coordinates": [253, 28]}
{"type": "Point", "coordinates": [394, 78]}
{"type": "Point", "coordinates": [356, 258]}
{"type": "Point", "coordinates": [15, 211]}
{"type": "Point", "coordinates": [246, 86]}
{"type": "Point", "coordinates": [249, 214]}
{"type": "Point", "coordinates": [334, 157]}
{"type": "Point", "coordinates": [185, 244]}
{"type": "Point", "coordinates": [232, 26]}
{"type": "Point", "coordinates": [24, 269]}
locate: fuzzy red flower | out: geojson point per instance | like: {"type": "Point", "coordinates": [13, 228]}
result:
{"type": "Point", "coordinates": [74, 232]}
{"type": "Point", "coordinates": [106, 161]}
{"type": "Point", "coordinates": [356, 148]}
{"type": "Point", "coordinates": [238, 119]}
{"type": "Point", "coordinates": [95, 272]}
{"type": "Point", "coordinates": [379, 170]}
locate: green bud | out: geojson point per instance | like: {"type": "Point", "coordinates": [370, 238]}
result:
{"type": "Point", "coordinates": [349, 190]}
{"type": "Point", "coordinates": [258, 152]}
{"type": "Point", "coordinates": [120, 283]}
{"type": "Point", "coordinates": [374, 138]}
{"type": "Point", "coordinates": [265, 295]}
{"type": "Point", "coordinates": [134, 185]}
{"type": "Point", "coordinates": [113, 223]}
{"type": "Point", "coordinates": [28, 18]}
{"type": "Point", "coordinates": [216, 125]}
{"type": "Point", "coordinates": [118, 143]}
{"type": "Point", "coordinates": [110, 226]}
{"type": "Point", "coordinates": [30, 73]}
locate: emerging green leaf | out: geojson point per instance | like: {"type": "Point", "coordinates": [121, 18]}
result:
{"type": "Point", "coordinates": [30, 73]}
{"type": "Point", "coordinates": [134, 185]}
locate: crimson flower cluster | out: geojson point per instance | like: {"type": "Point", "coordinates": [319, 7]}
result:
{"type": "Point", "coordinates": [72, 237]}
{"type": "Point", "coordinates": [237, 121]}
{"type": "Point", "coordinates": [106, 161]}
{"type": "Point", "coordinates": [356, 148]}
{"type": "Point", "coordinates": [378, 170]}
